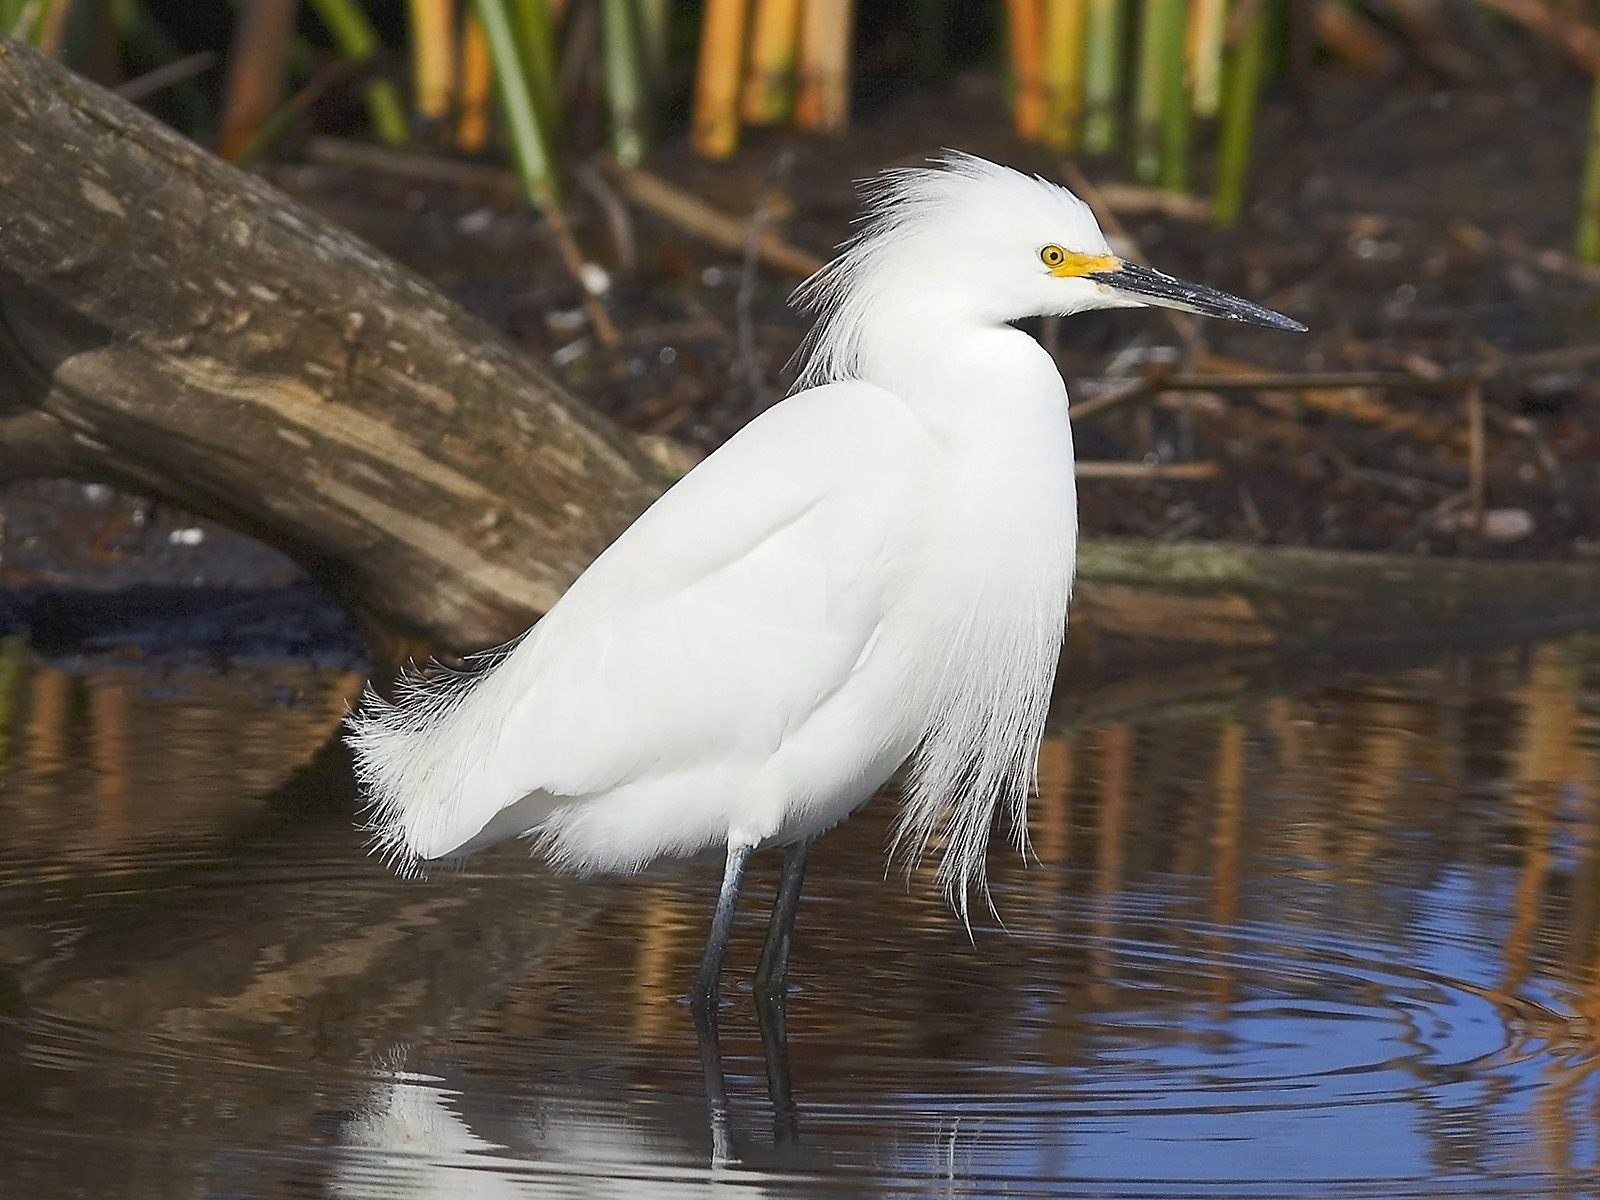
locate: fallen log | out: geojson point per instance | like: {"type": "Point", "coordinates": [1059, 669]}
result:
{"type": "Point", "coordinates": [1142, 602]}
{"type": "Point", "coordinates": [175, 326]}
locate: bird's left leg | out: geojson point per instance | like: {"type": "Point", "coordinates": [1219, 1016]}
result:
{"type": "Point", "coordinates": [704, 997]}
{"type": "Point", "coordinates": [772, 973]}
{"type": "Point", "coordinates": [771, 978]}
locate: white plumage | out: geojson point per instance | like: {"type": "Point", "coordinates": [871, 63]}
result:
{"type": "Point", "coordinates": [875, 569]}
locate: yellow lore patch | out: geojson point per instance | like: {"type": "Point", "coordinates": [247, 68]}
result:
{"type": "Point", "coordinates": [1064, 264]}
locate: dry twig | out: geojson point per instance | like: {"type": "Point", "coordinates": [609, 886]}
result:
{"type": "Point", "coordinates": [709, 223]}
{"type": "Point", "coordinates": [1165, 472]}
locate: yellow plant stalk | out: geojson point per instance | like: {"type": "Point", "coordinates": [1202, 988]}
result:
{"type": "Point", "coordinates": [1063, 72]}
{"type": "Point", "coordinates": [1208, 27]}
{"type": "Point", "coordinates": [770, 85]}
{"type": "Point", "coordinates": [433, 56]}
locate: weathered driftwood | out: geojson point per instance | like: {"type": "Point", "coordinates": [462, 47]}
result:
{"type": "Point", "coordinates": [1144, 600]}
{"type": "Point", "coordinates": [174, 325]}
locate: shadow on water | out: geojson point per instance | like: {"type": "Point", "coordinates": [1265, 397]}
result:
{"type": "Point", "coordinates": [1339, 937]}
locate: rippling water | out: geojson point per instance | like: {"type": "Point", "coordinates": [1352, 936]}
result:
{"type": "Point", "coordinates": [1337, 938]}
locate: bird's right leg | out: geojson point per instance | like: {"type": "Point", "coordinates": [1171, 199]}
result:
{"type": "Point", "coordinates": [704, 997]}
{"type": "Point", "coordinates": [716, 1089]}
{"type": "Point", "coordinates": [703, 1001]}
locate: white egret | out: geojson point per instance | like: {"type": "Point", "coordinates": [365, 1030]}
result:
{"type": "Point", "coordinates": [874, 570]}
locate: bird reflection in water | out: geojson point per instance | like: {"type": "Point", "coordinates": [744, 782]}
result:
{"type": "Point", "coordinates": [773, 1019]}
{"type": "Point", "coordinates": [442, 1130]}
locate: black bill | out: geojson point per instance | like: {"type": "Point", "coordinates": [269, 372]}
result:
{"type": "Point", "coordinates": [1154, 287]}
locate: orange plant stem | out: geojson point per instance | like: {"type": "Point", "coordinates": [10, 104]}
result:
{"type": "Point", "coordinates": [472, 125]}
{"type": "Point", "coordinates": [52, 27]}
{"type": "Point", "coordinates": [823, 104]}
{"type": "Point", "coordinates": [256, 66]}
{"type": "Point", "coordinates": [1025, 34]}
{"type": "Point", "coordinates": [714, 125]}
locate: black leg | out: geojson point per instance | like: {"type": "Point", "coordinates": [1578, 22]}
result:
{"type": "Point", "coordinates": [704, 997]}
{"type": "Point", "coordinates": [703, 1000]}
{"type": "Point", "coordinates": [705, 1025]}
{"type": "Point", "coordinates": [773, 1019]}
{"type": "Point", "coordinates": [773, 972]}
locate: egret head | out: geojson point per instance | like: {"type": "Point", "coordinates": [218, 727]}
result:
{"type": "Point", "coordinates": [970, 240]}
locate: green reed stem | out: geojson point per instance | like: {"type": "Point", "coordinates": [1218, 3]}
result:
{"type": "Point", "coordinates": [24, 19]}
{"type": "Point", "coordinates": [29, 23]}
{"type": "Point", "coordinates": [13, 654]}
{"type": "Point", "coordinates": [1587, 242]}
{"type": "Point", "coordinates": [1241, 88]}
{"type": "Point", "coordinates": [1161, 23]}
{"type": "Point", "coordinates": [624, 81]}
{"type": "Point", "coordinates": [536, 44]}
{"type": "Point", "coordinates": [1102, 74]}
{"type": "Point", "coordinates": [530, 143]}
{"type": "Point", "coordinates": [655, 38]}
{"type": "Point", "coordinates": [358, 41]}
{"type": "Point", "coordinates": [1174, 101]}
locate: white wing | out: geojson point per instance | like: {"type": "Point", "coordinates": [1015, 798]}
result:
{"type": "Point", "coordinates": [718, 621]}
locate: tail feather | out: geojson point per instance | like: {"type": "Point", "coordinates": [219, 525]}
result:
{"type": "Point", "coordinates": [420, 757]}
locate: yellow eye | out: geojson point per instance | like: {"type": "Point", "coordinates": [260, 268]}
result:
{"type": "Point", "coordinates": [1052, 256]}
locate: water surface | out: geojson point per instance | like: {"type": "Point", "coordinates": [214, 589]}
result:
{"type": "Point", "coordinates": [1337, 937]}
